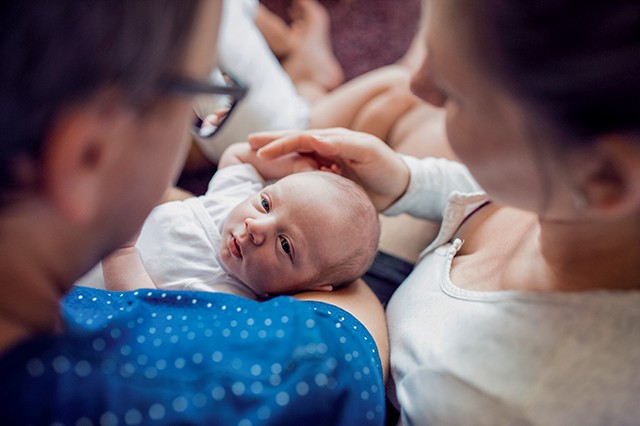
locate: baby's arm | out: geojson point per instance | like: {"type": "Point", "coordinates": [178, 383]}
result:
{"type": "Point", "coordinates": [242, 153]}
{"type": "Point", "coordinates": [123, 270]}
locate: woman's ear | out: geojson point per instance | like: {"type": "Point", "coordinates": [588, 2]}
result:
{"type": "Point", "coordinates": [611, 182]}
{"type": "Point", "coordinates": [80, 142]}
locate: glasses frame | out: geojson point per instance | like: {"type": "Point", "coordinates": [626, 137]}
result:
{"type": "Point", "coordinates": [192, 87]}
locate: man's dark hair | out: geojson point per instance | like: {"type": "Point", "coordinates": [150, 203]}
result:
{"type": "Point", "coordinates": [54, 54]}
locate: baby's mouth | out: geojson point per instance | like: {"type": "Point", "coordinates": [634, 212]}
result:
{"type": "Point", "coordinates": [234, 247]}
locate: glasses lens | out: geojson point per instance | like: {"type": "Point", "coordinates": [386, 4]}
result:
{"type": "Point", "coordinates": [213, 109]}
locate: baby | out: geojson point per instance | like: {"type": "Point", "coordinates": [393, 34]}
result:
{"type": "Point", "coordinates": [306, 231]}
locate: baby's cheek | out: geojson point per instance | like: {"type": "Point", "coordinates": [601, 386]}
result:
{"type": "Point", "coordinates": [269, 278]}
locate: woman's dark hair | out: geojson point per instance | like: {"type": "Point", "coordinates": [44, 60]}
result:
{"type": "Point", "coordinates": [56, 53]}
{"type": "Point", "coordinates": [576, 62]}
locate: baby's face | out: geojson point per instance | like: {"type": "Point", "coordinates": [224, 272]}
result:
{"type": "Point", "coordinates": [278, 240]}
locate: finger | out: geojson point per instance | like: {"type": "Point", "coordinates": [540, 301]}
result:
{"type": "Point", "coordinates": [305, 164]}
{"type": "Point", "coordinates": [336, 145]}
{"type": "Point", "coordinates": [333, 168]}
{"type": "Point", "coordinates": [343, 145]}
{"type": "Point", "coordinates": [302, 143]}
{"type": "Point", "coordinates": [259, 139]}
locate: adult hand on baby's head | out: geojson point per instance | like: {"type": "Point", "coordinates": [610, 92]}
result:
{"type": "Point", "coordinates": [275, 168]}
{"type": "Point", "coordinates": [361, 157]}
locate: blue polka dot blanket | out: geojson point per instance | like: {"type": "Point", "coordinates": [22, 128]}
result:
{"type": "Point", "coordinates": [159, 357]}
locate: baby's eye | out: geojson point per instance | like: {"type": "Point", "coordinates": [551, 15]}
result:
{"type": "Point", "coordinates": [265, 204]}
{"type": "Point", "coordinates": [285, 246]}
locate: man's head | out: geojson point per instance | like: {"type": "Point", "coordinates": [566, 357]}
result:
{"type": "Point", "coordinates": [89, 139]}
{"type": "Point", "coordinates": [308, 231]}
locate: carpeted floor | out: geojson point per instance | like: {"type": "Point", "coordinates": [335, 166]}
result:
{"type": "Point", "coordinates": [366, 34]}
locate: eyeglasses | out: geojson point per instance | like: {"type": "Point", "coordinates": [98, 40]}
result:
{"type": "Point", "coordinates": [214, 100]}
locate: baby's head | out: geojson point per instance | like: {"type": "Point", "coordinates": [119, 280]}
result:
{"type": "Point", "coordinates": [307, 231]}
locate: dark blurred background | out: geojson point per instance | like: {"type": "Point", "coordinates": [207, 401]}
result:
{"type": "Point", "coordinates": [366, 34]}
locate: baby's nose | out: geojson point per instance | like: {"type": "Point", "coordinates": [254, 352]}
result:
{"type": "Point", "coordinates": [257, 229]}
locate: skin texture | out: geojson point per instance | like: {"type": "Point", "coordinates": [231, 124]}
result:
{"type": "Point", "coordinates": [272, 241]}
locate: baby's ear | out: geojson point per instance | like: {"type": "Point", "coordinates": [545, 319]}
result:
{"type": "Point", "coordinates": [323, 287]}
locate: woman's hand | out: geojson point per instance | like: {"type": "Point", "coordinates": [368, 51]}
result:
{"type": "Point", "coordinates": [242, 152]}
{"type": "Point", "coordinates": [361, 157]}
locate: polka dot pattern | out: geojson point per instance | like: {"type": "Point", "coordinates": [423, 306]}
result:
{"type": "Point", "coordinates": [210, 358]}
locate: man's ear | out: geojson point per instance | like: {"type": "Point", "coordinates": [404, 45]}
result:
{"type": "Point", "coordinates": [611, 183]}
{"type": "Point", "coordinates": [76, 149]}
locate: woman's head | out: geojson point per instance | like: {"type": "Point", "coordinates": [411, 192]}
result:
{"type": "Point", "coordinates": [577, 63]}
{"type": "Point", "coordinates": [533, 86]}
